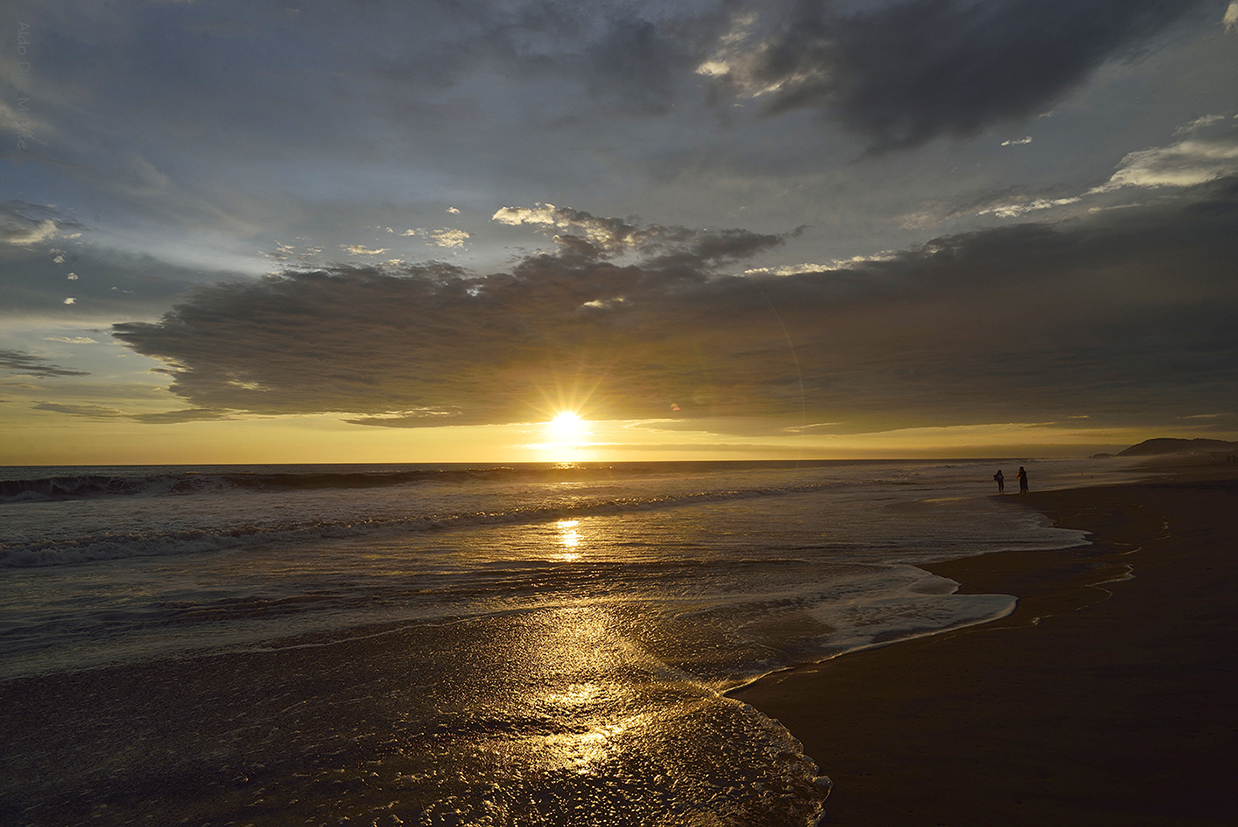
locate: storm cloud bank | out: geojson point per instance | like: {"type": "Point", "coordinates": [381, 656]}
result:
{"type": "Point", "coordinates": [898, 72]}
{"type": "Point", "coordinates": [1120, 316]}
{"type": "Point", "coordinates": [903, 73]}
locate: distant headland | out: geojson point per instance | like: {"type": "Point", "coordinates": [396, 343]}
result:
{"type": "Point", "coordinates": [1155, 447]}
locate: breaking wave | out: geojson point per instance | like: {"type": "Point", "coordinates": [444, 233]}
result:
{"type": "Point", "coordinates": [186, 541]}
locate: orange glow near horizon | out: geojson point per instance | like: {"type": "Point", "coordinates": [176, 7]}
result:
{"type": "Point", "coordinates": [43, 438]}
{"type": "Point", "coordinates": [567, 436]}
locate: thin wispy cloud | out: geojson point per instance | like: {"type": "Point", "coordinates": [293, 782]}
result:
{"type": "Point", "coordinates": [105, 412]}
{"type": "Point", "coordinates": [26, 364]}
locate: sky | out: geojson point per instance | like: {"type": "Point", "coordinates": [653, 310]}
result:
{"type": "Point", "coordinates": [708, 229]}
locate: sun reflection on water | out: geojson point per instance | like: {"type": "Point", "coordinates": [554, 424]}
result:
{"type": "Point", "coordinates": [582, 752]}
{"type": "Point", "coordinates": [569, 539]}
{"type": "Point", "coordinates": [585, 718]}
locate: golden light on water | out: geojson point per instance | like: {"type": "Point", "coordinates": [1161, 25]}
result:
{"type": "Point", "coordinates": [569, 659]}
{"type": "Point", "coordinates": [569, 539]}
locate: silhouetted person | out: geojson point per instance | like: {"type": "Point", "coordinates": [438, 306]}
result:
{"type": "Point", "coordinates": [1001, 482]}
{"type": "Point", "coordinates": [1022, 480]}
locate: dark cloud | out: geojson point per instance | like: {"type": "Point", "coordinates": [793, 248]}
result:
{"type": "Point", "coordinates": [1123, 316]}
{"type": "Point", "coordinates": [16, 361]}
{"type": "Point", "coordinates": [636, 63]}
{"type": "Point", "coordinates": [436, 345]}
{"type": "Point", "coordinates": [628, 57]}
{"type": "Point", "coordinates": [904, 73]}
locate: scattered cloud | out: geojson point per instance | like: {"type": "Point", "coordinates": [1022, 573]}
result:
{"type": "Point", "coordinates": [591, 236]}
{"type": "Point", "coordinates": [419, 418]}
{"type": "Point", "coordinates": [443, 237]}
{"type": "Point", "coordinates": [541, 214]}
{"type": "Point", "coordinates": [836, 264]}
{"type": "Point", "coordinates": [1199, 123]}
{"type": "Point", "coordinates": [111, 285]}
{"type": "Point", "coordinates": [1184, 164]}
{"type": "Point", "coordinates": [448, 238]}
{"type": "Point", "coordinates": [1022, 207]}
{"type": "Point", "coordinates": [1187, 163]}
{"type": "Point", "coordinates": [29, 225]}
{"type": "Point", "coordinates": [291, 253]}
{"type": "Point", "coordinates": [71, 340]}
{"type": "Point", "coordinates": [30, 236]}
{"type": "Point", "coordinates": [362, 250]}
{"type": "Point", "coordinates": [1019, 142]}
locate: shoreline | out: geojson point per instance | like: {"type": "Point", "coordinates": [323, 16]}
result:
{"type": "Point", "coordinates": [1105, 697]}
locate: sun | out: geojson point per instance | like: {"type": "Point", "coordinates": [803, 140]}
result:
{"type": "Point", "coordinates": [565, 437]}
{"type": "Point", "coordinates": [567, 427]}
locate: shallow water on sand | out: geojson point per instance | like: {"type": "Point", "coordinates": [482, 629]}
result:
{"type": "Point", "coordinates": [443, 645]}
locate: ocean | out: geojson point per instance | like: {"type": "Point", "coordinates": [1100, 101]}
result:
{"type": "Point", "coordinates": [530, 644]}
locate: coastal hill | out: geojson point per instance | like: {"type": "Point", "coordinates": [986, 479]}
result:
{"type": "Point", "coordinates": [1155, 447]}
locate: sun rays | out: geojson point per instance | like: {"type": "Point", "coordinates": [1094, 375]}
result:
{"type": "Point", "coordinates": [567, 436]}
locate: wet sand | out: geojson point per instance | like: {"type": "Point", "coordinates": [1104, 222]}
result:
{"type": "Point", "coordinates": [1104, 699]}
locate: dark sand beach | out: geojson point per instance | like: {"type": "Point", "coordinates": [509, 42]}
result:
{"type": "Point", "coordinates": [1107, 698]}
